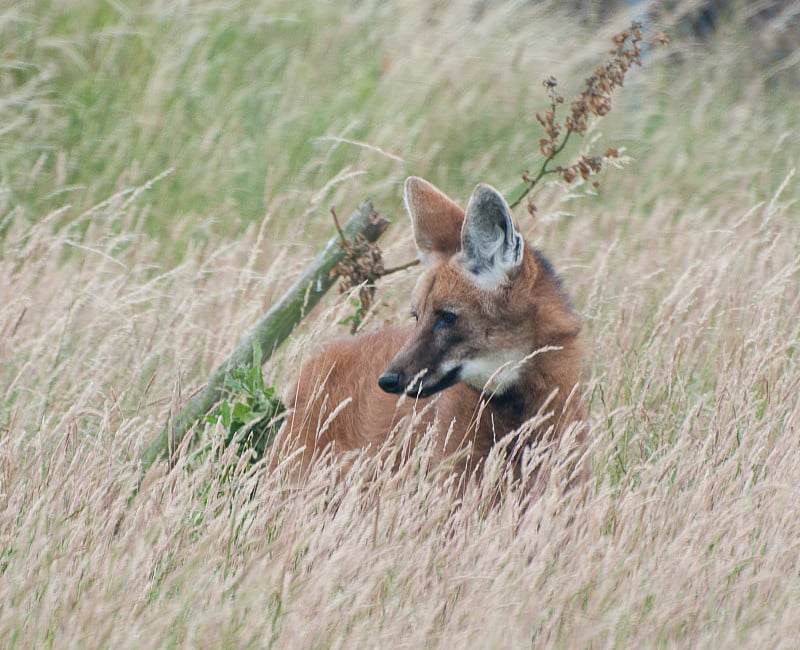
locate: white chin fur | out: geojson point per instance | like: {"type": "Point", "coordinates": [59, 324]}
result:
{"type": "Point", "coordinates": [495, 372]}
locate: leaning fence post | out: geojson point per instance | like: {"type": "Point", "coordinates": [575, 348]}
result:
{"type": "Point", "coordinates": [270, 331]}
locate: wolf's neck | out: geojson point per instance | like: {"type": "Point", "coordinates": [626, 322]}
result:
{"type": "Point", "coordinates": [539, 384]}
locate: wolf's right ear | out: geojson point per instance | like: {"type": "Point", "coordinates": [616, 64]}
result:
{"type": "Point", "coordinates": [436, 219]}
{"type": "Point", "coordinates": [492, 245]}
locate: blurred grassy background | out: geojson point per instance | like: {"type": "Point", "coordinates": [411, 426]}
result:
{"type": "Point", "coordinates": [166, 169]}
{"type": "Point", "coordinates": [283, 108]}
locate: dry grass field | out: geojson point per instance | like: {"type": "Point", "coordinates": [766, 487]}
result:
{"type": "Point", "coordinates": [166, 171]}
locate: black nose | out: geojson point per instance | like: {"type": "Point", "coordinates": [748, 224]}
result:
{"type": "Point", "coordinates": [391, 382]}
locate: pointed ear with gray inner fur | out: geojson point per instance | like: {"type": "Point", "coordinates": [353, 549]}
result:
{"type": "Point", "coordinates": [492, 248]}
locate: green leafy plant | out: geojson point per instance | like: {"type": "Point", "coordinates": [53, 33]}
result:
{"type": "Point", "coordinates": [250, 416]}
{"type": "Point", "coordinates": [354, 320]}
{"type": "Point", "coordinates": [250, 411]}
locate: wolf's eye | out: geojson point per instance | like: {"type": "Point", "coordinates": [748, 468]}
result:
{"type": "Point", "coordinates": [446, 319]}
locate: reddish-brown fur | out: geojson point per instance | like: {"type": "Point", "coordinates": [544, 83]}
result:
{"type": "Point", "coordinates": [527, 313]}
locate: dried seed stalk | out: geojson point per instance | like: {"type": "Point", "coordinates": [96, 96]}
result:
{"type": "Point", "coordinates": [595, 100]}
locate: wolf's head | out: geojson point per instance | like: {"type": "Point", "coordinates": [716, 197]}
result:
{"type": "Point", "coordinates": [477, 303]}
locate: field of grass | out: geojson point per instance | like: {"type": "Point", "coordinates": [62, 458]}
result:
{"type": "Point", "coordinates": [166, 170]}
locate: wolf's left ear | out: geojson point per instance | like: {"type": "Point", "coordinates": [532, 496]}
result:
{"type": "Point", "coordinates": [435, 218]}
{"type": "Point", "coordinates": [492, 248]}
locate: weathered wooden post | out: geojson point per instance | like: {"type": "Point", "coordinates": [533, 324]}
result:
{"type": "Point", "coordinates": [270, 331]}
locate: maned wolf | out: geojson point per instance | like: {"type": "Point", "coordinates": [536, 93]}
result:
{"type": "Point", "coordinates": [495, 346]}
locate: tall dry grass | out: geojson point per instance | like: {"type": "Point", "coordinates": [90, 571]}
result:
{"type": "Point", "coordinates": [686, 268]}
